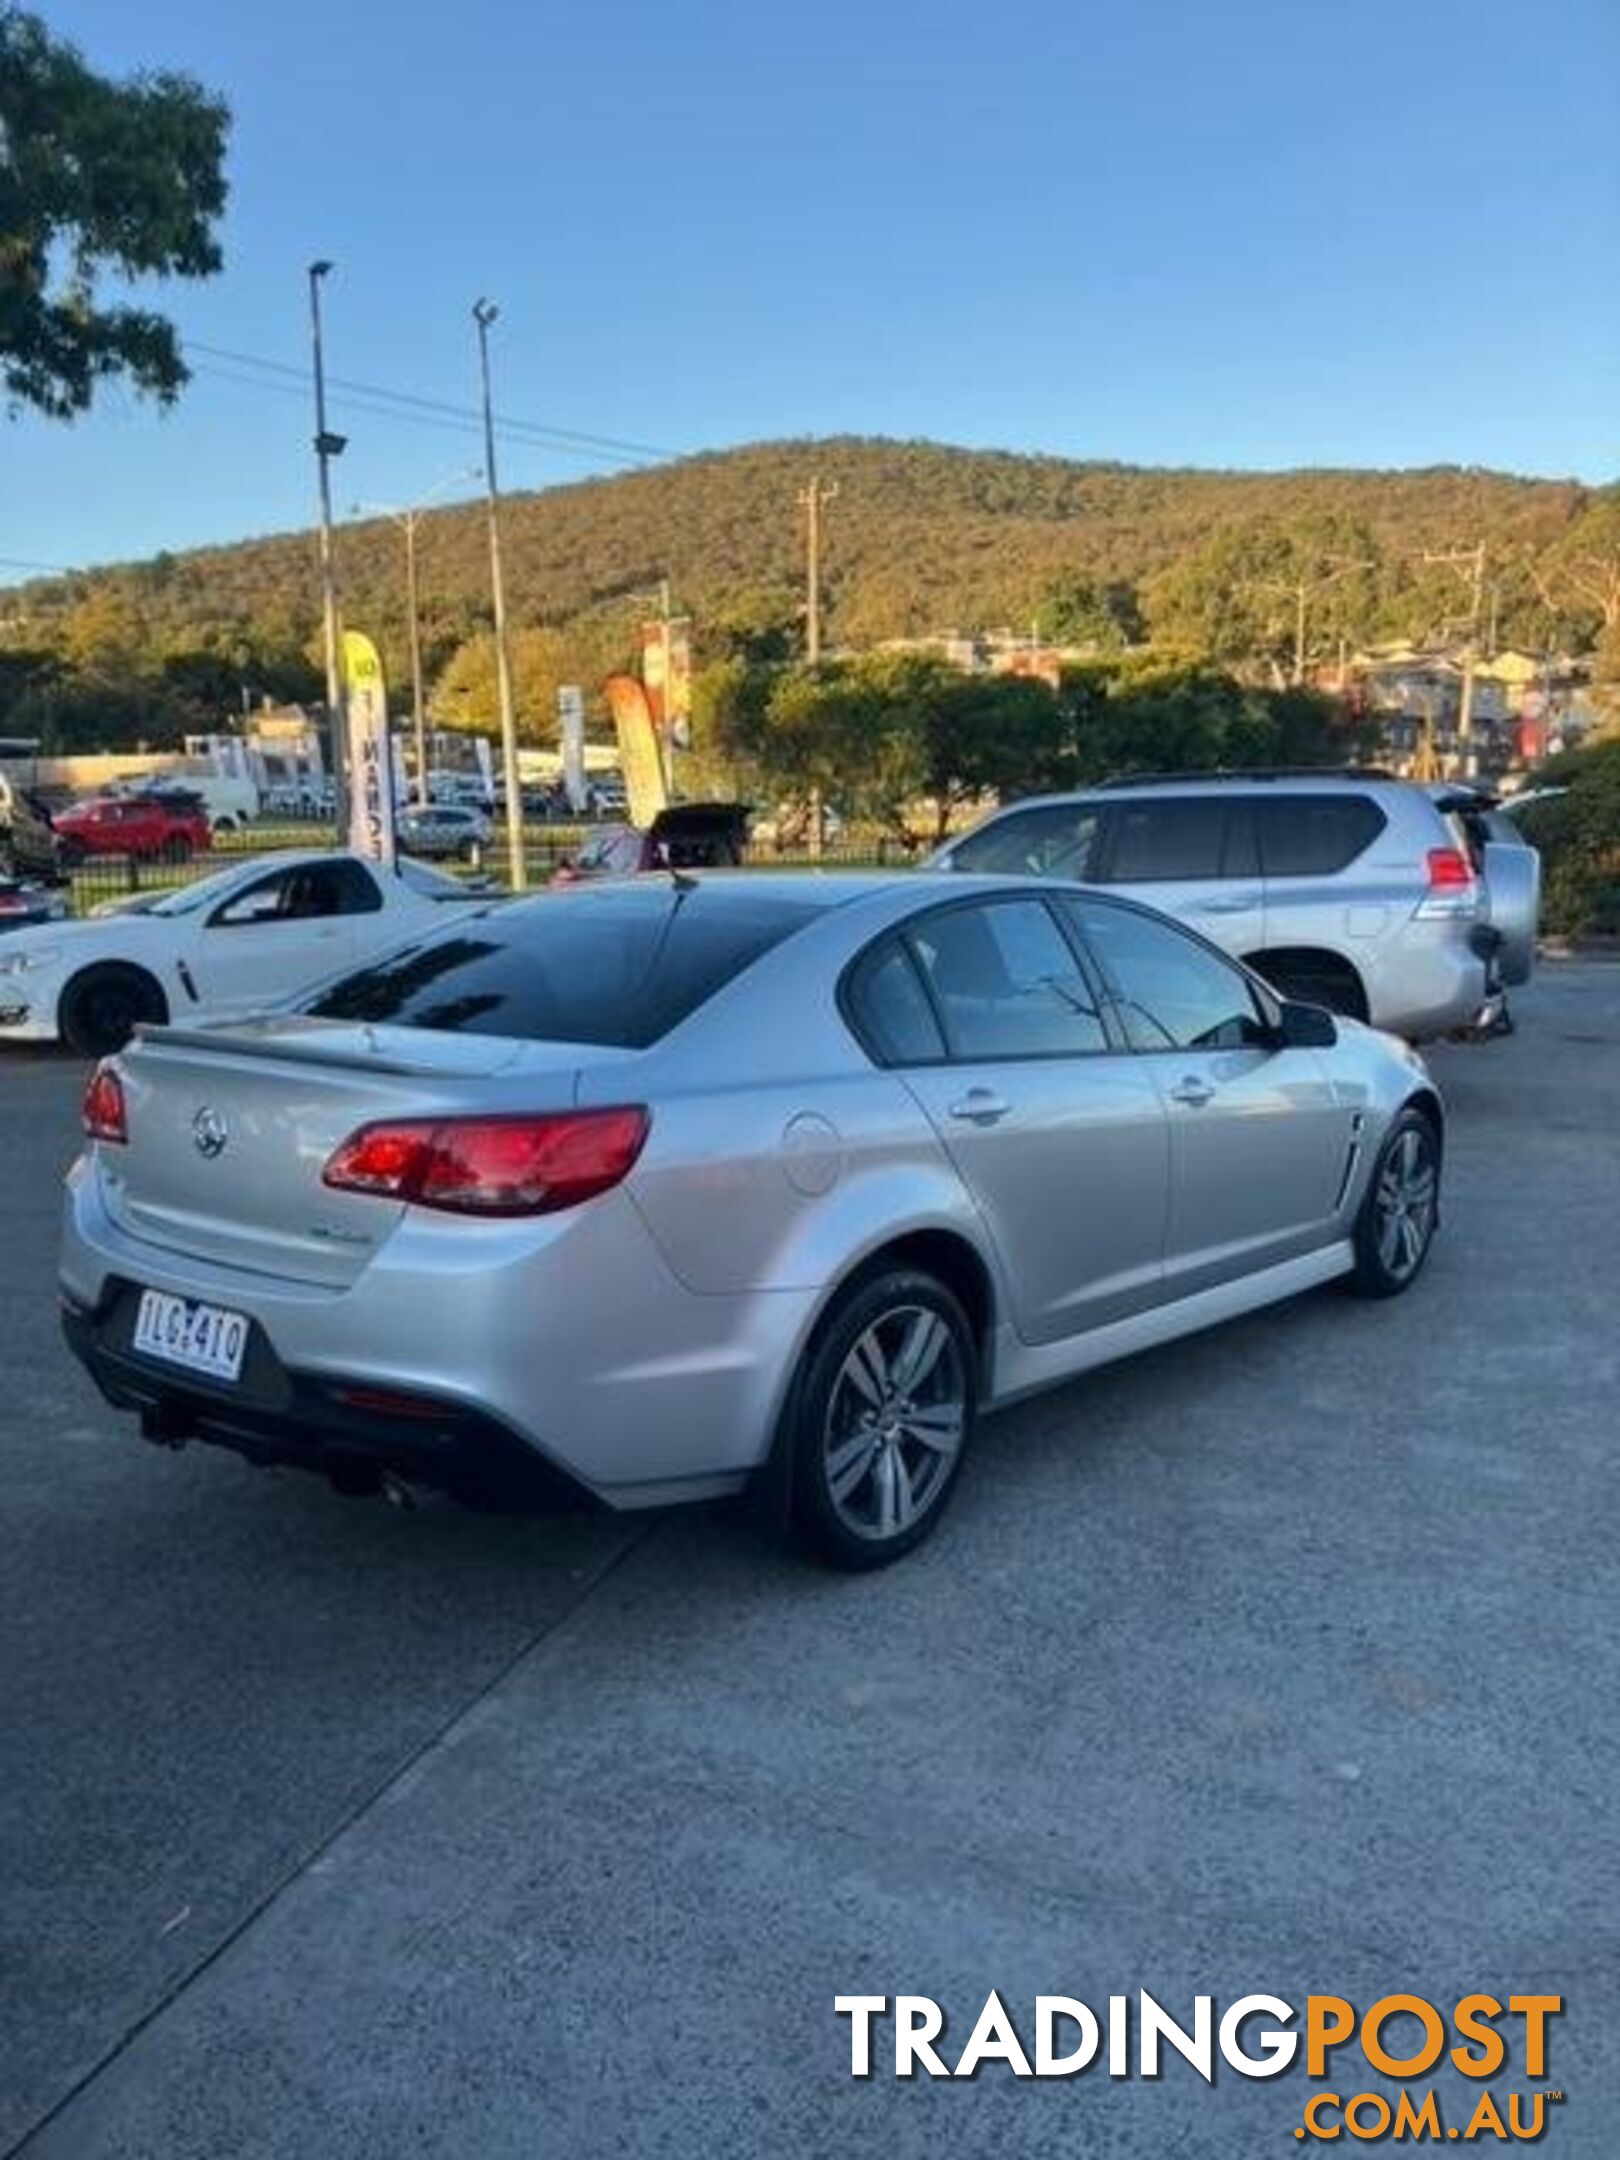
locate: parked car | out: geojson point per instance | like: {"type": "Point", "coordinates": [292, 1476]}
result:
{"type": "Point", "coordinates": [686, 836]}
{"type": "Point", "coordinates": [23, 903]}
{"type": "Point", "coordinates": [650, 1189]}
{"type": "Point", "coordinates": [442, 829]}
{"type": "Point", "coordinates": [28, 842]}
{"type": "Point", "coordinates": [229, 804]}
{"type": "Point", "coordinates": [1346, 889]}
{"type": "Point", "coordinates": [234, 942]}
{"type": "Point", "coordinates": [159, 827]}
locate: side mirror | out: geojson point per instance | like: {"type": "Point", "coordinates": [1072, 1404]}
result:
{"type": "Point", "coordinates": [1305, 1027]}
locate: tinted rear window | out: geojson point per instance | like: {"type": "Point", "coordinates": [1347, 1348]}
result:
{"type": "Point", "coordinates": [1152, 840]}
{"type": "Point", "coordinates": [619, 967]}
{"type": "Point", "coordinates": [1314, 835]}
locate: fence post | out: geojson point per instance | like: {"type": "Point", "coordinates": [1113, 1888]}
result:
{"type": "Point", "coordinates": [132, 873]}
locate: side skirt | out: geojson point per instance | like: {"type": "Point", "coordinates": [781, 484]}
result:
{"type": "Point", "coordinates": [1022, 1368]}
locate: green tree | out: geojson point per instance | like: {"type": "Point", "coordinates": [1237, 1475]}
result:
{"type": "Point", "coordinates": [97, 176]}
{"type": "Point", "coordinates": [1076, 610]}
{"type": "Point", "coordinates": [1270, 598]}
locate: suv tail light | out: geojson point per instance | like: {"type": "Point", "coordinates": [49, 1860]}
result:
{"type": "Point", "coordinates": [104, 1106]}
{"type": "Point", "coordinates": [1453, 889]}
{"type": "Point", "coordinates": [1449, 869]}
{"type": "Point", "coordinates": [492, 1165]}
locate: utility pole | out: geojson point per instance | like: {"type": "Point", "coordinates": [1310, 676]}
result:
{"type": "Point", "coordinates": [327, 447]}
{"type": "Point", "coordinates": [814, 498]}
{"type": "Point", "coordinates": [484, 313]}
{"type": "Point", "coordinates": [407, 520]}
{"type": "Point", "coordinates": [1471, 562]}
{"type": "Point", "coordinates": [414, 613]}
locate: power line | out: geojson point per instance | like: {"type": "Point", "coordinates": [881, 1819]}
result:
{"type": "Point", "coordinates": [442, 407]}
{"type": "Point", "coordinates": [352, 404]}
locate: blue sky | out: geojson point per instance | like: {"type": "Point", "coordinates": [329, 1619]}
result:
{"type": "Point", "coordinates": [1216, 232]}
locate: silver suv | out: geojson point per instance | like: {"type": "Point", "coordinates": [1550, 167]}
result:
{"type": "Point", "coordinates": [1349, 889]}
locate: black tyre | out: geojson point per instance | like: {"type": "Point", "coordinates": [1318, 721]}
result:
{"type": "Point", "coordinates": [70, 853]}
{"type": "Point", "coordinates": [880, 1418]}
{"type": "Point", "coordinates": [101, 1008]}
{"type": "Point", "coordinates": [1401, 1212]}
{"type": "Point", "coordinates": [177, 849]}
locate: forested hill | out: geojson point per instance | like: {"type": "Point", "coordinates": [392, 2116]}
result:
{"type": "Point", "coordinates": [919, 537]}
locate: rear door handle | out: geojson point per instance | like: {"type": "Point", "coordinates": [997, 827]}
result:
{"type": "Point", "coordinates": [1193, 1091]}
{"type": "Point", "coordinates": [1230, 904]}
{"type": "Point", "coordinates": [980, 1106]}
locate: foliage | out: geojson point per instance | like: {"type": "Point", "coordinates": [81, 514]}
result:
{"type": "Point", "coordinates": [886, 733]}
{"type": "Point", "coordinates": [920, 538]}
{"type": "Point", "coordinates": [1277, 594]}
{"type": "Point", "coordinates": [1104, 613]}
{"type": "Point", "coordinates": [1579, 837]}
{"type": "Point", "coordinates": [96, 176]}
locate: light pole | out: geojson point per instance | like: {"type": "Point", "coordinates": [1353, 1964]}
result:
{"type": "Point", "coordinates": [484, 313]}
{"type": "Point", "coordinates": [327, 447]}
{"type": "Point", "coordinates": [407, 521]}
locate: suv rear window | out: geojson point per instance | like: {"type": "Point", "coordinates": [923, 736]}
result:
{"type": "Point", "coordinates": [618, 966]}
{"type": "Point", "coordinates": [1315, 835]}
{"type": "Point", "coordinates": [1165, 839]}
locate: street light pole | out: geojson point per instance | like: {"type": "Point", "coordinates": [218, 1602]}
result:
{"type": "Point", "coordinates": [484, 313]}
{"type": "Point", "coordinates": [327, 447]}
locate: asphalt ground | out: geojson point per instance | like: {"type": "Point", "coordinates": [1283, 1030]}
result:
{"type": "Point", "coordinates": [1279, 1661]}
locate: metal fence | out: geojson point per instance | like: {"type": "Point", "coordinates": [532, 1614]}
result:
{"type": "Point", "coordinates": [113, 880]}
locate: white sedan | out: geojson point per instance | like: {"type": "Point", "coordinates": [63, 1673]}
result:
{"type": "Point", "coordinates": [231, 943]}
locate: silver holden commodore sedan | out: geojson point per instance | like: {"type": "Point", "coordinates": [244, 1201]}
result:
{"type": "Point", "coordinates": [651, 1189]}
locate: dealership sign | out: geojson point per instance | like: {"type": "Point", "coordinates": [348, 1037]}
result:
{"type": "Point", "coordinates": [371, 773]}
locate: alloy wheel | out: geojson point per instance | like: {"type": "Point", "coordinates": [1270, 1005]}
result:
{"type": "Point", "coordinates": [1404, 1204]}
{"type": "Point", "coordinates": [896, 1416]}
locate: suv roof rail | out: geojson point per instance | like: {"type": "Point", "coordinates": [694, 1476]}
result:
{"type": "Point", "coordinates": [1254, 772]}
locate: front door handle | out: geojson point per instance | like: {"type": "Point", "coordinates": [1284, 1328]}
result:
{"type": "Point", "coordinates": [980, 1106]}
{"type": "Point", "coordinates": [1193, 1091]}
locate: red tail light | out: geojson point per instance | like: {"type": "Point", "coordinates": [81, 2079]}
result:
{"type": "Point", "coordinates": [492, 1165]}
{"type": "Point", "coordinates": [104, 1106]}
{"type": "Point", "coordinates": [1449, 870]}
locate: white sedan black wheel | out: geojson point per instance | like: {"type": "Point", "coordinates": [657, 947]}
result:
{"type": "Point", "coordinates": [882, 1417]}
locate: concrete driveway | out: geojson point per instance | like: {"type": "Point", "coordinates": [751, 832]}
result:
{"type": "Point", "coordinates": [1279, 1661]}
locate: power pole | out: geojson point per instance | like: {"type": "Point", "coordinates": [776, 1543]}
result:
{"type": "Point", "coordinates": [327, 447]}
{"type": "Point", "coordinates": [1471, 562]}
{"type": "Point", "coordinates": [413, 610]}
{"type": "Point", "coordinates": [814, 498]}
{"type": "Point", "coordinates": [484, 313]}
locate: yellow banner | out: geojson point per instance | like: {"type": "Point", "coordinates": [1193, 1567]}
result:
{"type": "Point", "coordinates": [371, 770]}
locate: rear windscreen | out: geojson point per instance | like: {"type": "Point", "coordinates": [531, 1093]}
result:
{"type": "Point", "coordinates": [618, 967]}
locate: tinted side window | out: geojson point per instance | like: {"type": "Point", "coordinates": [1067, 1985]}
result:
{"type": "Point", "coordinates": [1058, 840]}
{"type": "Point", "coordinates": [1171, 839]}
{"type": "Point", "coordinates": [1007, 982]}
{"type": "Point", "coordinates": [1172, 992]}
{"type": "Point", "coordinates": [343, 888]}
{"type": "Point", "coordinates": [890, 1010]}
{"type": "Point", "coordinates": [1314, 835]}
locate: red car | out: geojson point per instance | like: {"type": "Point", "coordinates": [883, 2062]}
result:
{"type": "Point", "coordinates": [160, 828]}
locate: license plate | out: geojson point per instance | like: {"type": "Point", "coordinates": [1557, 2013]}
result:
{"type": "Point", "coordinates": [202, 1338]}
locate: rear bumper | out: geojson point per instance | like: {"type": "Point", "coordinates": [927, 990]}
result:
{"type": "Point", "coordinates": [568, 1350]}
{"type": "Point", "coordinates": [336, 1427]}
{"type": "Point", "coordinates": [1431, 980]}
